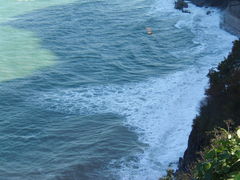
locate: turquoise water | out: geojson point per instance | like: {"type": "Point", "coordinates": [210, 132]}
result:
{"type": "Point", "coordinates": [85, 93]}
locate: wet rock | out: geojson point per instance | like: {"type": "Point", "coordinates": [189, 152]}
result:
{"type": "Point", "coordinates": [180, 4]}
{"type": "Point", "coordinates": [208, 12]}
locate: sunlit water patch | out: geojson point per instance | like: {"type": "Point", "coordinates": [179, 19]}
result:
{"type": "Point", "coordinates": [21, 52]}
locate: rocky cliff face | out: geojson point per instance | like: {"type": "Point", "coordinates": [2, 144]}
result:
{"type": "Point", "coordinates": [231, 13]}
{"type": "Point", "coordinates": [231, 17]}
{"type": "Point", "coordinates": [222, 103]}
{"type": "Point", "coordinates": [215, 3]}
{"type": "Point", "coordinates": [223, 95]}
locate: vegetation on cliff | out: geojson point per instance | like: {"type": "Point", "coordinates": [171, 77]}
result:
{"type": "Point", "coordinates": [222, 103]}
{"type": "Point", "coordinates": [220, 161]}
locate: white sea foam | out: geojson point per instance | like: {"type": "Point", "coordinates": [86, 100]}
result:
{"type": "Point", "coordinates": [166, 118]}
{"type": "Point", "coordinates": [166, 122]}
{"type": "Point", "coordinates": [161, 109]}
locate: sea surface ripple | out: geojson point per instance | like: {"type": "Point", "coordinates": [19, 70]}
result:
{"type": "Point", "coordinates": [85, 93]}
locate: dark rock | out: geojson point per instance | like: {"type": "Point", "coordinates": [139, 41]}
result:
{"type": "Point", "coordinates": [215, 3]}
{"type": "Point", "coordinates": [180, 4]}
{"type": "Point", "coordinates": [208, 12]}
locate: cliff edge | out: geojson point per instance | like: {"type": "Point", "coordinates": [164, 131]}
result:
{"type": "Point", "coordinates": [222, 103]}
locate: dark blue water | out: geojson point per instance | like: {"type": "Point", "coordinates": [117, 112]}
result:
{"type": "Point", "coordinates": [107, 108]}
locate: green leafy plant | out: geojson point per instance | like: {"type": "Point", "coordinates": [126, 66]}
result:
{"type": "Point", "coordinates": [222, 160]}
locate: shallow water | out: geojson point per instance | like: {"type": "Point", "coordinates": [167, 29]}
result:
{"type": "Point", "coordinates": [85, 93]}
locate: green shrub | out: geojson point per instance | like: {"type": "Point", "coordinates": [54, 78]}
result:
{"type": "Point", "coordinates": [222, 161]}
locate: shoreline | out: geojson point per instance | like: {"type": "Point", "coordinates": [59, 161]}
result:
{"type": "Point", "coordinates": [230, 22]}
{"type": "Point", "coordinates": [230, 13]}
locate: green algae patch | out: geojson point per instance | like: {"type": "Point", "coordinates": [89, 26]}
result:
{"type": "Point", "coordinates": [21, 53]}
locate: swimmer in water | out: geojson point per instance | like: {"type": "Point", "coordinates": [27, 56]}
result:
{"type": "Point", "coordinates": [149, 31]}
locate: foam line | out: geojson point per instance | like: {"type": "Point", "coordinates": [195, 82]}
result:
{"type": "Point", "coordinates": [161, 109]}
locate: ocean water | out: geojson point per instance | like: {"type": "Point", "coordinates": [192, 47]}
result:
{"type": "Point", "coordinates": [85, 93]}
